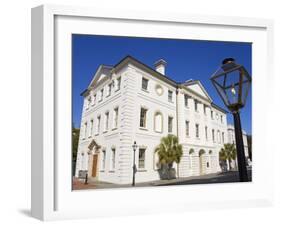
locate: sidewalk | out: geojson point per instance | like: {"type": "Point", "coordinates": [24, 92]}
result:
{"type": "Point", "coordinates": [226, 177]}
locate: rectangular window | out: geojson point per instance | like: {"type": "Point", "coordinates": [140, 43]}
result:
{"type": "Point", "coordinates": [206, 132]}
{"type": "Point", "coordinates": [195, 105]}
{"type": "Point", "coordinates": [101, 94]}
{"type": "Point", "coordinates": [141, 158]}
{"type": "Point", "coordinates": [222, 135]}
{"type": "Point", "coordinates": [91, 128]}
{"type": "Point", "coordinates": [103, 159]}
{"type": "Point", "coordinates": [187, 128]}
{"type": "Point", "coordinates": [221, 119]}
{"type": "Point", "coordinates": [213, 135]}
{"type": "Point", "coordinates": [118, 84]}
{"type": "Point", "coordinates": [170, 124]}
{"type": "Point", "coordinates": [205, 109]}
{"type": "Point", "coordinates": [113, 154]}
{"type": "Point", "coordinates": [94, 99]}
{"type": "Point", "coordinates": [143, 117]}
{"type": "Point", "coordinates": [109, 89]}
{"type": "Point", "coordinates": [197, 130]}
{"type": "Point", "coordinates": [186, 100]}
{"type": "Point", "coordinates": [219, 137]}
{"type": "Point", "coordinates": [212, 115]}
{"type": "Point", "coordinates": [98, 125]}
{"type": "Point", "coordinates": [85, 130]}
{"type": "Point", "coordinates": [170, 96]}
{"type": "Point", "coordinates": [88, 102]}
{"type": "Point", "coordinates": [144, 84]}
{"type": "Point", "coordinates": [106, 121]}
{"type": "Point", "coordinates": [115, 120]}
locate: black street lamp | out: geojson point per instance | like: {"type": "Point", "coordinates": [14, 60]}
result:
{"type": "Point", "coordinates": [232, 81]}
{"type": "Point", "coordinates": [135, 146]}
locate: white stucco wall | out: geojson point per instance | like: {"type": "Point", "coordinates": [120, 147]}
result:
{"type": "Point", "coordinates": [129, 99]}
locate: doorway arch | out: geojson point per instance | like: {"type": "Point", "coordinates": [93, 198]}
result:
{"type": "Point", "coordinates": [202, 162]}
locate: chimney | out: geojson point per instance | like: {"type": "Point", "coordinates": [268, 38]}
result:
{"type": "Point", "coordinates": [160, 66]}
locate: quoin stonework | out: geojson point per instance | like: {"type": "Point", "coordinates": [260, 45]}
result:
{"type": "Point", "coordinates": [133, 102]}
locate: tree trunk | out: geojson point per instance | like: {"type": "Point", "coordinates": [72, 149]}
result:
{"type": "Point", "coordinates": [235, 164]}
{"type": "Point", "coordinates": [169, 170]}
{"type": "Point", "coordinates": [229, 162]}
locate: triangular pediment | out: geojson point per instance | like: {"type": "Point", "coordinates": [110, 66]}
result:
{"type": "Point", "coordinates": [102, 73]}
{"type": "Point", "coordinates": [198, 88]}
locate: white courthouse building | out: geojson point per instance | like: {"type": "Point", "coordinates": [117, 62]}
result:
{"type": "Point", "coordinates": [231, 140]}
{"type": "Point", "coordinates": [131, 101]}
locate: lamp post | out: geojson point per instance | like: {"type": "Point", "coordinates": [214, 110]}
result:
{"type": "Point", "coordinates": [135, 146]}
{"type": "Point", "coordinates": [232, 82]}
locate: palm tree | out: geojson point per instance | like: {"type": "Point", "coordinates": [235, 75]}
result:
{"type": "Point", "coordinates": [169, 151]}
{"type": "Point", "coordinates": [228, 153]}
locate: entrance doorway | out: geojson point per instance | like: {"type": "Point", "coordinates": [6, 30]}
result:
{"type": "Point", "coordinates": [95, 163]}
{"type": "Point", "coordinates": [202, 162]}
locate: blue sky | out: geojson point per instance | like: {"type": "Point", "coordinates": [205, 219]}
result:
{"type": "Point", "coordinates": [186, 59]}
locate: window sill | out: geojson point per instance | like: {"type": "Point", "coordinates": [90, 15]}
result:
{"type": "Point", "coordinates": [111, 171]}
{"type": "Point", "coordinates": [102, 171]}
{"type": "Point", "coordinates": [141, 170]}
{"type": "Point", "coordinates": [143, 128]}
{"type": "Point", "coordinates": [105, 131]}
{"type": "Point", "coordinates": [115, 128]}
{"type": "Point", "coordinates": [145, 90]}
{"type": "Point", "coordinates": [117, 90]}
{"type": "Point", "coordinates": [158, 131]}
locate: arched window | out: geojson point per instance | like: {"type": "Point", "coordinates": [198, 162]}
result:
{"type": "Point", "coordinates": [210, 152]}
{"type": "Point", "coordinates": [191, 151]}
{"type": "Point", "coordinates": [201, 152]}
{"type": "Point", "coordinates": [158, 122]}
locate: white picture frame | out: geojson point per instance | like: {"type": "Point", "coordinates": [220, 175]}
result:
{"type": "Point", "coordinates": [52, 197]}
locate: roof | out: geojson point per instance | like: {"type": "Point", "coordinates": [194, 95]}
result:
{"type": "Point", "coordinates": [166, 78]}
{"type": "Point", "coordinates": [131, 59]}
{"type": "Point", "coordinates": [219, 108]}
